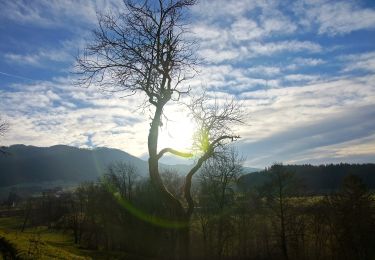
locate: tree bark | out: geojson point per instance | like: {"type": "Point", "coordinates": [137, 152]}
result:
{"type": "Point", "coordinates": [177, 212]}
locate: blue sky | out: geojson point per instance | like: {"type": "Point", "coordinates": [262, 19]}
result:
{"type": "Point", "coordinates": [303, 70]}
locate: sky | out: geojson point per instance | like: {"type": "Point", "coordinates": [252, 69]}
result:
{"type": "Point", "coordinates": [302, 70]}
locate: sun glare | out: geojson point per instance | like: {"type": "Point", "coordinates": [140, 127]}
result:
{"type": "Point", "coordinates": [177, 134]}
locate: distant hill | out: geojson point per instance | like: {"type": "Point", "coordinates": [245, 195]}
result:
{"type": "Point", "coordinates": [250, 170]}
{"type": "Point", "coordinates": [61, 163]}
{"type": "Point", "coordinates": [316, 179]}
{"type": "Point", "coordinates": [30, 164]}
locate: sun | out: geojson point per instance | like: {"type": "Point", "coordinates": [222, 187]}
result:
{"type": "Point", "coordinates": [177, 134]}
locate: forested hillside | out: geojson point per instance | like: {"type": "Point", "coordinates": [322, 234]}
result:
{"type": "Point", "coordinates": [30, 164]}
{"type": "Point", "coordinates": [316, 179]}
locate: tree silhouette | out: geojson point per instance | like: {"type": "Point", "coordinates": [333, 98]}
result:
{"type": "Point", "coordinates": [280, 185]}
{"type": "Point", "coordinates": [351, 219]}
{"type": "Point", "coordinates": [4, 127]}
{"type": "Point", "coordinates": [145, 50]}
{"type": "Point", "coordinates": [217, 201]}
{"type": "Point", "coordinates": [123, 176]}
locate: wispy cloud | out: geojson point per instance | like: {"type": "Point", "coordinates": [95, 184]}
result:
{"type": "Point", "coordinates": [301, 77]}
{"type": "Point", "coordinates": [288, 122]}
{"type": "Point", "coordinates": [37, 59]}
{"type": "Point", "coordinates": [47, 13]}
{"type": "Point", "coordinates": [335, 17]}
{"type": "Point", "coordinates": [265, 70]}
{"type": "Point", "coordinates": [52, 113]}
{"type": "Point", "coordinates": [362, 62]}
{"type": "Point", "coordinates": [334, 130]}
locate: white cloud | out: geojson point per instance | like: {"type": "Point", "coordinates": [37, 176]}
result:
{"type": "Point", "coordinates": [224, 9]}
{"type": "Point", "coordinates": [215, 54]}
{"type": "Point", "coordinates": [233, 31]}
{"type": "Point", "coordinates": [218, 56]}
{"type": "Point", "coordinates": [265, 70]}
{"type": "Point", "coordinates": [48, 113]}
{"type": "Point", "coordinates": [335, 17]}
{"type": "Point", "coordinates": [43, 56]}
{"type": "Point", "coordinates": [300, 62]}
{"type": "Point", "coordinates": [363, 61]}
{"type": "Point", "coordinates": [244, 29]}
{"type": "Point", "coordinates": [206, 32]}
{"type": "Point", "coordinates": [227, 78]}
{"type": "Point", "coordinates": [22, 59]}
{"type": "Point", "coordinates": [309, 61]}
{"type": "Point", "coordinates": [301, 77]}
{"type": "Point", "coordinates": [39, 58]}
{"type": "Point", "coordinates": [271, 48]}
{"type": "Point", "coordinates": [275, 22]}
{"type": "Point", "coordinates": [292, 123]}
{"type": "Point", "coordinates": [48, 13]}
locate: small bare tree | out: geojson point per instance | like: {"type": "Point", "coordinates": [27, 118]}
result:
{"type": "Point", "coordinates": [4, 127]}
{"type": "Point", "coordinates": [123, 176]}
{"type": "Point", "coordinates": [278, 190]}
{"type": "Point", "coordinates": [216, 200]}
{"type": "Point", "coordinates": [145, 50]}
{"type": "Point", "coordinates": [174, 182]}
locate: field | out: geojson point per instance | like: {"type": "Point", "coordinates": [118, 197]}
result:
{"type": "Point", "coordinates": [44, 243]}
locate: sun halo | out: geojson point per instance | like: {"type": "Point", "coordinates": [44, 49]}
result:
{"type": "Point", "coordinates": [177, 134]}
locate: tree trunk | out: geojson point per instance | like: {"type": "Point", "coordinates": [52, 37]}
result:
{"type": "Point", "coordinates": [183, 241]}
{"type": "Point", "coordinates": [176, 210]}
{"type": "Point", "coordinates": [27, 215]}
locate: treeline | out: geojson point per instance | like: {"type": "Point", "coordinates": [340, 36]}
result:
{"type": "Point", "coordinates": [276, 220]}
{"type": "Point", "coordinates": [321, 179]}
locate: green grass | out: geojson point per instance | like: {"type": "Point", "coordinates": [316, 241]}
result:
{"type": "Point", "coordinates": [38, 243]}
{"type": "Point", "coordinates": [44, 243]}
{"type": "Point", "coordinates": [10, 224]}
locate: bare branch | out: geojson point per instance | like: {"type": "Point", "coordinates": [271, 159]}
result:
{"type": "Point", "coordinates": [140, 50]}
{"type": "Point", "coordinates": [175, 152]}
{"type": "Point", "coordinates": [215, 122]}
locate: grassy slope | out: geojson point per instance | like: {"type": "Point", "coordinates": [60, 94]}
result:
{"type": "Point", "coordinates": [41, 243]}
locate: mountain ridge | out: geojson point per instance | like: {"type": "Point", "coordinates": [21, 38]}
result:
{"type": "Point", "coordinates": [60, 162]}
{"type": "Point", "coordinates": [67, 163]}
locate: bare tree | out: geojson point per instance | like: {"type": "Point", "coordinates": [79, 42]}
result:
{"type": "Point", "coordinates": [123, 176]}
{"type": "Point", "coordinates": [279, 188]}
{"type": "Point", "coordinates": [174, 182]}
{"type": "Point", "coordinates": [4, 127]}
{"type": "Point", "coordinates": [351, 220]}
{"type": "Point", "coordinates": [217, 199]}
{"type": "Point", "coordinates": [145, 50]}
{"type": "Point", "coordinates": [215, 121]}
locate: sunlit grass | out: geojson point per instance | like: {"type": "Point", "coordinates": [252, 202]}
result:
{"type": "Point", "coordinates": [44, 243]}
{"type": "Point", "coordinates": [40, 244]}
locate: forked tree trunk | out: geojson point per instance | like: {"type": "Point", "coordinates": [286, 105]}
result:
{"type": "Point", "coordinates": [177, 212]}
